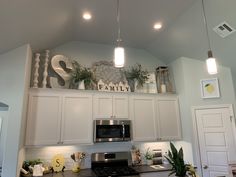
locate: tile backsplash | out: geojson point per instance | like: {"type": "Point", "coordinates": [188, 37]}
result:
{"type": "Point", "coordinates": [46, 153]}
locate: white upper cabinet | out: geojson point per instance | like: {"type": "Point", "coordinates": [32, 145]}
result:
{"type": "Point", "coordinates": [59, 117]}
{"type": "Point", "coordinates": [77, 119]}
{"type": "Point", "coordinates": [143, 115]}
{"type": "Point", "coordinates": [107, 105]}
{"type": "Point", "coordinates": [168, 118]}
{"type": "Point", "coordinates": [44, 119]}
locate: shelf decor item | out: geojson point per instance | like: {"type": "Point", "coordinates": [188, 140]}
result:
{"type": "Point", "coordinates": [136, 77]}
{"type": "Point", "coordinates": [163, 80]}
{"type": "Point", "coordinates": [62, 74]}
{"type": "Point", "coordinates": [45, 72]}
{"type": "Point", "coordinates": [82, 77]}
{"type": "Point", "coordinates": [176, 159]}
{"type": "Point", "coordinates": [210, 88]}
{"type": "Point", "coordinates": [36, 70]}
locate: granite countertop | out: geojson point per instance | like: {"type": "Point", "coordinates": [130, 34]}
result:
{"type": "Point", "coordinates": [148, 169]}
{"type": "Point", "coordinates": [83, 173]}
{"type": "Point", "coordinates": [89, 173]}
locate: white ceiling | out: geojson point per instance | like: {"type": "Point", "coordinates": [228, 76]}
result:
{"type": "Point", "coordinates": [46, 24]}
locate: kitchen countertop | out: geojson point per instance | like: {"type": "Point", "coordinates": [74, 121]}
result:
{"type": "Point", "coordinates": [89, 173]}
{"type": "Point", "coordinates": [148, 169]}
{"type": "Point", "coordinates": [83, 173]}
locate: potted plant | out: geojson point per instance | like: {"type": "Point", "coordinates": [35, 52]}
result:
{"type": "Point", "coordinates": [176, 159]}
{"type": "Point", "coordinates": [81, 77]}
{"type": "Point", "coordinates": [148, 156]}
{"type": "Point", "coordinates": [136, 76]}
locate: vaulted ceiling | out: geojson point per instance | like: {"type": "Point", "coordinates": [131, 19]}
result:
{"type": "Point", "coordinates": [46, 24]}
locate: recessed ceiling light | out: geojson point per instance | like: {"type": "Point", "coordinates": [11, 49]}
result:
{"type": "Point", "coordinates": [87, 16]}
{"type": "Point", "coordinates": [157, 26]}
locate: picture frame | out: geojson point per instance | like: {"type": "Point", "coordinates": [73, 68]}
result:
{"type": "Point", "coordinates": [210, 88]}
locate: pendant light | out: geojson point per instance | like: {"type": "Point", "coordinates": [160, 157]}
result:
{"type": "Point", "coordinates": [119, 52]}
{"type": "Point", "coordinates": [211, 61]}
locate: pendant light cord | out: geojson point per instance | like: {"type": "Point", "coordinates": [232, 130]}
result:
{"type": "Point", "coordinates": [118, 23]}
{"type": "Point", "coordinates": [206, 26]}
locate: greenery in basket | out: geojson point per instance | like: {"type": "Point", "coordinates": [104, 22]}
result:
{"type": "Point", "coordinates": [176, 159]}
{"type": "Point", "coordinates": [148, 155]}
{"type": "Point", "coordinates": [136, 72]}
{"type": "Point", "coordinates": [80, 73]}
{"type": "Point", "coordinates": [28, 163]}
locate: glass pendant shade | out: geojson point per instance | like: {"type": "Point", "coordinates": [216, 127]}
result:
{"type": "Point", "coordinates": [119, 57]}
{"type": "Point", "coordinates": [211, 63]}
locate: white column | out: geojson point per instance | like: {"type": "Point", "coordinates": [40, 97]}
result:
{"type": "Point", "coordinates": [36, 70]}
{"type": "Point", "coordinates": [45, 73]}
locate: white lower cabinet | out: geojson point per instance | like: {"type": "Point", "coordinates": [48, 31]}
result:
{"type": "Point", "coordinates": [143, 115]}
{"type": "Point", "coordinates": [77, 119]}
{"type": "Point", "coordinates": [59, 118]}
{"type": "Point", "coordinates": [156, 174]}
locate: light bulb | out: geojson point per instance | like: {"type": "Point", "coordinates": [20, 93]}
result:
{"type": "Point", "coordinates": [119, 57]}
{"type": "Point", "coordinates": [211, 66]}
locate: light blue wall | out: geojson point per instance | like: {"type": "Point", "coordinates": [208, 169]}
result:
{"type": "Point", "coordinates": [187, 75]}
{"type": "Point", "coordinates": [13, 77]}
{"type": "Point", "coordinates": [87, 53]}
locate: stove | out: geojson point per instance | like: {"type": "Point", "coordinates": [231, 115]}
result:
{"type": "Point", "coordinates": [113, 164]}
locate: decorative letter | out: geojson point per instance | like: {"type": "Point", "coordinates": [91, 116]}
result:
{"type": "Point", "coordinates": [55, 62]}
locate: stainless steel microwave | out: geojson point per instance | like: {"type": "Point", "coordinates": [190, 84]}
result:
{"type": "Point", "coordinates": [112, 130]}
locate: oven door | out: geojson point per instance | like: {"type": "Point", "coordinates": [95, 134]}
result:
{"type": "Point", "coordinates": [111, 130]}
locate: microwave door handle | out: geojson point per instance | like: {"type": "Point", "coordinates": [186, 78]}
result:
{"type": "Point", "coordinates": [123, 131]}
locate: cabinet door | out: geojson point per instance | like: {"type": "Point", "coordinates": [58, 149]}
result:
{"type": "Point", "coordinates": [102, 106]}
{"type": "Point", "coordinates": [77, 119]}
{"type": "Point", "coordinates": [168, 117]}
{"type": "Point", "coordinates": [142, 112]}
{"type": "Point", "coordinates": [120, 107]}
{"type": "Point", "coordinates": [44, 119]}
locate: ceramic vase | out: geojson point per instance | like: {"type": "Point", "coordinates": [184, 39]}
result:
{"type": "Point", "coordinates": [81, 85]}
{"type": "Point", "coordinates": [149, 162]}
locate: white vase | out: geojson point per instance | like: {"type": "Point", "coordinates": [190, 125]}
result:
{"type": "Point", "coordinates": [81, 85]}
{"type": "Point", "coordinates": [136, 85]}
{"type": "Point", "coordinates": [149, 162]}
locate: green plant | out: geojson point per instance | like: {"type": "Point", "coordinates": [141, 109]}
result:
{"type": "Point", "coordinates": [176, 159]}
{"type": "Point", "coordinates": [148, 155]}
{"type": "Point", "coordinates": [80, 73]}
{"type": "Point", "coordinates": [136, 72]}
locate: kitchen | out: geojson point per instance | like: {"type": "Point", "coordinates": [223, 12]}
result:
{"type": "Point", "coordinates": [188, 89]}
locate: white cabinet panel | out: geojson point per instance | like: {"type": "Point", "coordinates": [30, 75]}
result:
{"type": "Point", "coordinates": [110, 106]}
{"type": "Point", "coordinates": [120, 107]}
{"type": "Point", "coordinates": [142, 112]}
{"type": "Point", "coordinates": [77, 119]}
{"type": "Point", "coordinates": [168, 117]}
{"type": "Point", "coordinates": [44, 120]}
{"type": "Point", "coordinates": [102, 106]}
